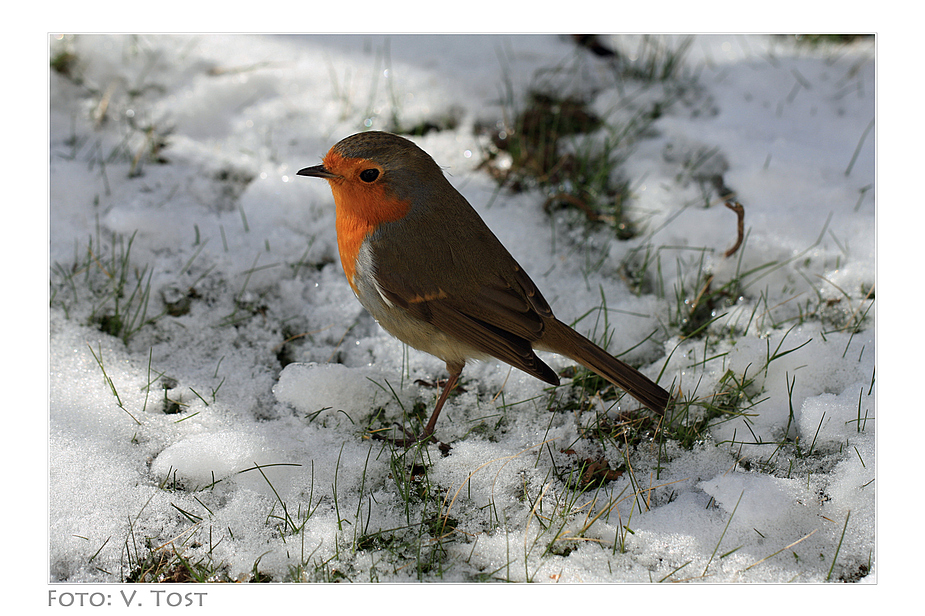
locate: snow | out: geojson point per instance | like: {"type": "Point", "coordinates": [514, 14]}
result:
{"type": "Point", "coordinates": [227, 217]}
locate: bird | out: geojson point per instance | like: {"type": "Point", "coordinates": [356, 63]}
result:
{"type": "Point", "coordinates": [428, 269]}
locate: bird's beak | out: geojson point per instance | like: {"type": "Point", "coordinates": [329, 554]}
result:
{"type": "Point", "coordinates": [318, 171]}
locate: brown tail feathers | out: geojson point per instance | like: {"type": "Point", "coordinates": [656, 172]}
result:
{"type": "Point", "coordinates": [562, 339]}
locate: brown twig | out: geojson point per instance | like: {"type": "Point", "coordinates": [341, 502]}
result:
{"type": "Point", "coordinates": [572, 199]}
{"type": "Point", "coordinates": [736, 207]}
{"type": "Point", "coordinates": [704, 290]}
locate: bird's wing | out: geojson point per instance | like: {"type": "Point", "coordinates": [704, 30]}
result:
{"type": "Point", "coordinates": [500, 318]}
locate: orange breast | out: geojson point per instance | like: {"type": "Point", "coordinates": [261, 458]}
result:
{"type": "Point", "coordinates": [350, 235]}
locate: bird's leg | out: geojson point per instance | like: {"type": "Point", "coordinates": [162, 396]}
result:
{"type": "Point", "coordinates": [455, 370]}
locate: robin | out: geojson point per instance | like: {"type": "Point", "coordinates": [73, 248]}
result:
{"type": "Point", "coordinates": [428, 269]}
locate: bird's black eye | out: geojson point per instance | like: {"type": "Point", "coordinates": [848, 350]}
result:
{"type": "Point", "coordinates": [369, 175]}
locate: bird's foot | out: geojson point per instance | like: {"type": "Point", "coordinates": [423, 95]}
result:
{"type": "Point", "coordinates": [410, 437]}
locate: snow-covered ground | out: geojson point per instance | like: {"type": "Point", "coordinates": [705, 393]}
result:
{"type": "Point", "coordinates": [179, 153]}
